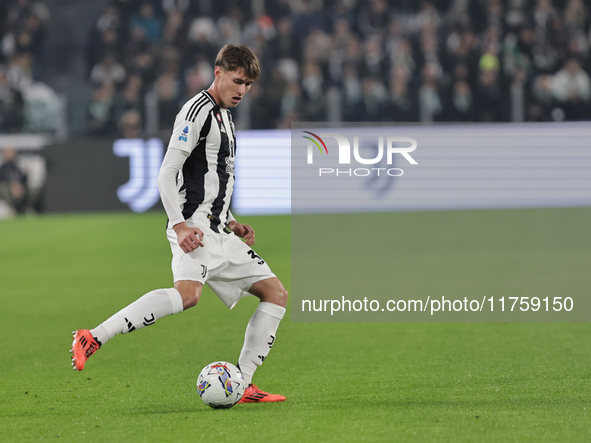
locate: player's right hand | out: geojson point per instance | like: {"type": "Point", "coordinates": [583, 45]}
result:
{"type": "Point", "coordinates": [189, 238]}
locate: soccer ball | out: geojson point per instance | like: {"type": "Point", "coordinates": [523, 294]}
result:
{"type": "Point", "coordinates": [220, 385]}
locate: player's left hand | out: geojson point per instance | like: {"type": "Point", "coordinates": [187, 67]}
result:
{"type": "Point", "coordinates": [244, 231]}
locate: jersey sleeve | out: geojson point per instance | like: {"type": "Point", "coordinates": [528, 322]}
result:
{"type": "Point", "coordinates": [171, 166]}
{"type": "Point", "coordinates": [188, 125]}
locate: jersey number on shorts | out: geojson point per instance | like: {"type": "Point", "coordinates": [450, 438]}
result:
{"type": "Point", "coordinates": [254, 256]}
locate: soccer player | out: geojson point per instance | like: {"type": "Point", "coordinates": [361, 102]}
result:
{"type": "Point", "coordinates": [196, 181]}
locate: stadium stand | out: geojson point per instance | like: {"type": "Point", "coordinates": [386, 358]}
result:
{"type": "Point", "coordinates": [323, 60]}
{"type": "Point", "coordinates": [347, 60]}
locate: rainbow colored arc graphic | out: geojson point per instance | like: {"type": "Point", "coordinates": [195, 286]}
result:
{"type": "Point", "coordinates": [315, 142]}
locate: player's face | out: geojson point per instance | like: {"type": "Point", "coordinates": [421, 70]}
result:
{"type": "Point", "coordinates": [232, 86]}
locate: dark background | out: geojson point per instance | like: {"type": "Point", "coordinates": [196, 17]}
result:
{"type": "Point", "coordinates": [84, 175]}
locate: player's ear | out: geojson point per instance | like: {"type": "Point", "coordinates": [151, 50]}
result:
{"type": "Point", "coordinates": [217, 71]}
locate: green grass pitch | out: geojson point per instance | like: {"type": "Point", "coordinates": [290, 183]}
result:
{"type": "Point", "coordinates": [343, 381]}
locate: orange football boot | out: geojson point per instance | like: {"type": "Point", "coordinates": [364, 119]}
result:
{"type": "Point", "coordinates": [253, 394]}
{"type": "Point", "coordinates": [83, 346]}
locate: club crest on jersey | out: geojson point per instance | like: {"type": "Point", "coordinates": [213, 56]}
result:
{"type": "Point", "coordinates": [183, 136]}
{"type": "Point", "coordinates": [218, 116]}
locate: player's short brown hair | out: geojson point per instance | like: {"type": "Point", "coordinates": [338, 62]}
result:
{"type": "Point", "coordinates": [232, 57]}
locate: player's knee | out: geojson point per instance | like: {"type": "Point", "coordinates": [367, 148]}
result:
{"type": "Point", "coordinates": [280, 296]}
{"type": "Point", "coordinates": [283, 297]}
{"type": "Point", "coordinates": [190, 293]}
{"type": "Point", "coordinates": [271, 291]}
{"type": "Point", "coordinates": [189, 301]}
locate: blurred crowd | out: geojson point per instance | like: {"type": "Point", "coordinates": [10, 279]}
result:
{"type": "Point", "coordinates": [22, 182]}
{"type": "Point", "coordinates": [323, 60]}
{"type": "Point", "coordinates": [27, 104]}
{"type": "Point", "coordinates": [347, 60]}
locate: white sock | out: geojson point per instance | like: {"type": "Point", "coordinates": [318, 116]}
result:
{"type": "Point", "coordinates": [259, 337]}
{"type": "Point", "coordinates": [142, 312]}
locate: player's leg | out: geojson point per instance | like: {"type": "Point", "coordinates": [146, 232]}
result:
{"type": "Point", "coordinates": [190, 292]}
{"type": "Point", "coordinates": [189, 272]}
{"type": "Point", "coordinates": [247, 273]}
{"type": "Point", "coordinates": [270, 290]}
{"type": "Point", "coordinates": [149, 308]}
{"type": "Point", "coordinates": [142, 312]}
{"type": "Point", "coordinates": [260, 334]}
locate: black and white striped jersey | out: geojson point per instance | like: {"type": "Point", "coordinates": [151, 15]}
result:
{"type": "Point", "coordinates": [205, 131]}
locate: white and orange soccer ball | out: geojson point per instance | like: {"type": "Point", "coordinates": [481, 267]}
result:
{"type": "Point", "coordinates": [220, 385]}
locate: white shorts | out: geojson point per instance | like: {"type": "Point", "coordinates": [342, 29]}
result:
{"type": "Point", "coordinates": [227, 264]}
